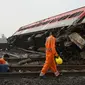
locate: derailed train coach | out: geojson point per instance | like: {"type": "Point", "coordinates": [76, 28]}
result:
{"type": "Point", "coordinates": [69, 28]}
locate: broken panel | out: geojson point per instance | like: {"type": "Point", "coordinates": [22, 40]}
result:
{"type": "Point", "coordinates": [77, 39]}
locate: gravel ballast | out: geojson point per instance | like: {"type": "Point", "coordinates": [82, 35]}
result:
{"type": "Point", "coordinates": [76, 80]}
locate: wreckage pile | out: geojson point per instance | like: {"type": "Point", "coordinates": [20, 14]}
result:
{"type": "Point", "coordinates": [70, 43]}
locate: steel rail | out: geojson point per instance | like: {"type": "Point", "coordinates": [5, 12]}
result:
{"type": "Point", "coordinates": [36, 74]}
{"type": "Point", "coordinates": [38, 67]}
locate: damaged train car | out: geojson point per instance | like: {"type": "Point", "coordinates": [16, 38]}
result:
{"type": "Point", "coordinates": [70, 34]}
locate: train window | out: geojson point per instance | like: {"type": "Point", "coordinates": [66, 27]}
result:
{"type": "Point", "coordinates": [21, 29]}
{"type": "Point", "coordinates": [75, 14]}
{"type": "Point", "coordinates": [43, 23]}
{"type": "Point", "coordinates": [26, 28]}
{"type": "Point", "coordinates": [62, 18]}
{"type": "Point", "coordinates": [38, 24]}
{"type": "Point", "coordinates": [34, 25]}
{"type": "Point", "coordinates": [54, 20]}
{"type": "Point", "coordinates": [30, 26]}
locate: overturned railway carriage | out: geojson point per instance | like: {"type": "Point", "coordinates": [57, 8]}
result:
{"type": "Point", "coordinates": [70, 34]}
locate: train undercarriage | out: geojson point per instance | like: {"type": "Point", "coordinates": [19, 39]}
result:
{"type": "Point", "coordinates": [70, 42]}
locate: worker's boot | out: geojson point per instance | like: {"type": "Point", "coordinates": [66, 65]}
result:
{"type": "Point", "coordinates": [42, 76]}
{"type": "Point", "coordinates": [57, 73]}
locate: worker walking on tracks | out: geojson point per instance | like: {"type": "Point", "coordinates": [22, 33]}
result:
{"type": "Point", "coordinates": [50, 54]}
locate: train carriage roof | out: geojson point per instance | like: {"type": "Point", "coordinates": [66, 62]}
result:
{"type": "Point", "coordinates": [58, 19]}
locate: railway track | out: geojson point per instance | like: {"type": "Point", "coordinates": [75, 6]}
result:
{"type": "Point", "coordinates": [38, 67]}
{"type": "Point", "coordinates": [34, 70]}
{"type": "Point", "coordinates": [36, 74]}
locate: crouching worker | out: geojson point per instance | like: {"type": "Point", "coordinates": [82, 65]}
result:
{"type": "Point", "coordinates": [3, 64]}
{"type": "Point", "coordinates": [50, 56]}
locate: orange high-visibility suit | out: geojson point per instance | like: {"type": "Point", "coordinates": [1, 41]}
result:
{"type": "Point", "coordinates": [50, 53]}
{"type": "Point", "coordinates": [2, 61]}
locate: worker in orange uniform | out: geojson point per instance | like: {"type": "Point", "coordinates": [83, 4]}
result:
{"type": "Point", "coordinates": [3, 64]}
{"type": "Point", "coordinates": [50, 54]}
{"type": "Point", "coordinates": [2, 61]}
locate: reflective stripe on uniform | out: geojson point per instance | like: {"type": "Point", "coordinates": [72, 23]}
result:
{"type": "Point", "coordinates": [48, 49]}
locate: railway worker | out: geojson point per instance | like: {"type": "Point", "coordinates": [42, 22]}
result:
{"type": "Point", "coordinates": [3, 64]}
{"type": "Point", "coordinates": [50, 54]}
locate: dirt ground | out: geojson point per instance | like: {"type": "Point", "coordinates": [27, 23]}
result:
{"type": "Point", "coordinates": [78, 80]}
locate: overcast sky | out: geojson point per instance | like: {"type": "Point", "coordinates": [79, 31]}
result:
{"type": "Point", "coordinates": [17, 13]}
